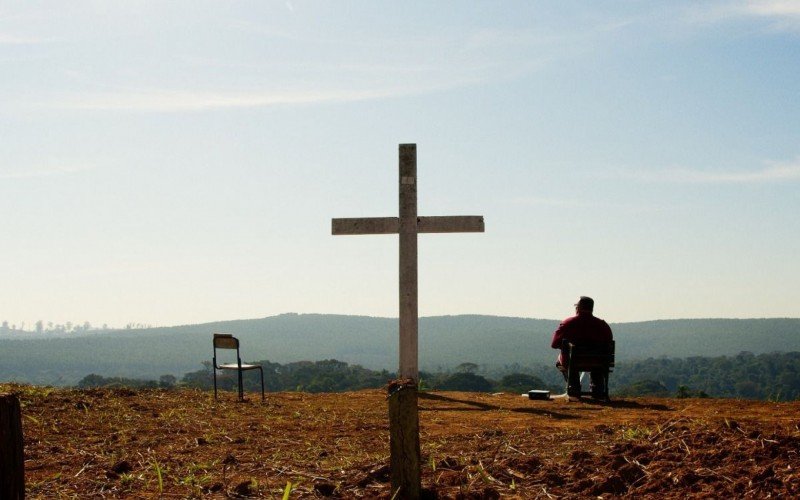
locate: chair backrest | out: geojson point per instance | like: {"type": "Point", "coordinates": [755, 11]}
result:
{"type": "Point", "coordinates": [225, 341]}
{"type": "Point", "coordinates": [587, 355]}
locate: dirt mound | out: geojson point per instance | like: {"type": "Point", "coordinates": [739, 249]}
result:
{"type": "Point", "coordinates": [142, 444]}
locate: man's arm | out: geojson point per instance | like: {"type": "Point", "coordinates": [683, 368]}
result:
{"type": "Point", "coordinates": [558, 335]}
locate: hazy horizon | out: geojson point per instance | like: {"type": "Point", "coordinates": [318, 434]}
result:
{"type": "Point", "coordinates": [141, 326]}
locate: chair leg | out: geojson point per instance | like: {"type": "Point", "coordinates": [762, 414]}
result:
{"type": "Point", "coordinates": [261, 371]}
{"type": "Point", "coordinates": [573, 382]}
{"type": "Point", "coordinates": [241, 387]}
{"type": "Point", "coordinates": [214, 370]}
{"type": "Point", "coordinates": [599, 384]}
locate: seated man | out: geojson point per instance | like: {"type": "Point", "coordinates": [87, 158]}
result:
{"type": "Point", "coordinates": [583, 326]}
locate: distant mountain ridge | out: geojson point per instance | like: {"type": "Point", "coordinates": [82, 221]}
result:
{"type": "Point", "coordinates": [445, 341]}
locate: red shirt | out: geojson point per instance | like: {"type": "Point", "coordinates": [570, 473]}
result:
{"type": "Point", "coordinates": [583, 326]}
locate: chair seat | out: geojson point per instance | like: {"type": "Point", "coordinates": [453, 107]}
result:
{"type": "Point", "coordinates": [234, 366]}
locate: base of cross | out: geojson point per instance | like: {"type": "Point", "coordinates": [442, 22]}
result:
{"type": "Point", "coordinates": [404, 438]}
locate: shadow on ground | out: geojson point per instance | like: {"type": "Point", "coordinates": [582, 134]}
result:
{"type": "Point", "coordinates": [478, 406]}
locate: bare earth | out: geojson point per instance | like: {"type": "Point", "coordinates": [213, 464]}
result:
{"type": "Point", "coordinates": [179, 444]}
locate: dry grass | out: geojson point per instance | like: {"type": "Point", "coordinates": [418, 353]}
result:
{"type": "Point", "coordinates": [182, 444]}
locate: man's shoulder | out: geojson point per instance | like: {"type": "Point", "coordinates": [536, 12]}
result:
{"type": "Point", "coordinates": [569, 320]}
{"type": "Point", "coordinates": [604, 326]}
{"type": "Point", "coordinates": [590, 319]}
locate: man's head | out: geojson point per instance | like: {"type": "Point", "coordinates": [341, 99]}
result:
{"type": "Point", "coordinates": [585, 304]}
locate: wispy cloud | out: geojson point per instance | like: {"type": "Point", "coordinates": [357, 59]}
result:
{"type": "Point", "coordinates": [20, 28]}
{"type": "Point", "coordinates": [552, 202]}
{"type": "Point", "coordinates": [43, 172]}
{"type": "Point", "coordinates": [782, 15]}
{"type": "Point", "coordinates": [9, 39]}
{"type": "Point", "coordinates": [772, 172]}
{"type": "Point", "coordinates": [773, 7]}
{"type": "Point", "coordinates": [292, 84]}
{"type": "Point", "coordinates": [182, 101]}
{"type": "Point", "coordinates": [575, 203]}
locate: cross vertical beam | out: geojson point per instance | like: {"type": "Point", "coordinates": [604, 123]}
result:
{"type": "Point", "coordinates": [409, 304]}
{"type": "Point", "coordinates": [403, 411]}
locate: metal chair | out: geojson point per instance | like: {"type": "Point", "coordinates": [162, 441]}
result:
{"type": "Point", "coordinates": [228, 341]}
{"type": "Point", "coordinates": [597, 358]}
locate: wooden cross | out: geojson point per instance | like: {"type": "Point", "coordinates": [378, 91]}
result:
{"type": "Point", "coordinates": [408, 225]}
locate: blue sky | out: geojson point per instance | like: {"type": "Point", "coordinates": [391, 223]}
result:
{"type": "Point", "coordinates": [179, 162]}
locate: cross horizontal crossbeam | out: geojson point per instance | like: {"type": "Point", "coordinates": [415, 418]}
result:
{"type": "Point", "coordinates": [391, 225]}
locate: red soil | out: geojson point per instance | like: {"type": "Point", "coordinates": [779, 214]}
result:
{"type": "Point", "coordinates": [119, 442]}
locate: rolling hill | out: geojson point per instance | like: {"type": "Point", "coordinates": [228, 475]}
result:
{"type": "Point", "coordinates": [445, 341]}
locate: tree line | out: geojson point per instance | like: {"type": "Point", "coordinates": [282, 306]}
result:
{"type": "Point", "coordinates": [325, 376]}
{"type": "Point", "coordinates": [42, 327]}
{"type": "Point", "coordinates": [774, 376]}
{"type": "Point", "coordinates": [49, 327]}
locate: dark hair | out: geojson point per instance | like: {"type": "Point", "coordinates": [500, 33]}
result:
{"type": "Point", "coordinates": [586, 303]}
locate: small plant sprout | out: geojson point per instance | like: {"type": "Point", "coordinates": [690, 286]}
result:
{"type": "Point", "coordinates": [635, 433]}
{"type": "Point", "coordinates": [157, 468]}
{"type": "Point", "coordinates": [287, 490]}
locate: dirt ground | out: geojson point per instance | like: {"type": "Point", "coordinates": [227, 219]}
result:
{"type": "Point", "coordinates": [178, 444]}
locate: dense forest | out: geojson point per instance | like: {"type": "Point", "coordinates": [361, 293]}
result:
{"type": "Point", "coordinates": [774, 376]}
{"type": "Point", "coordinates": [499, 345]}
